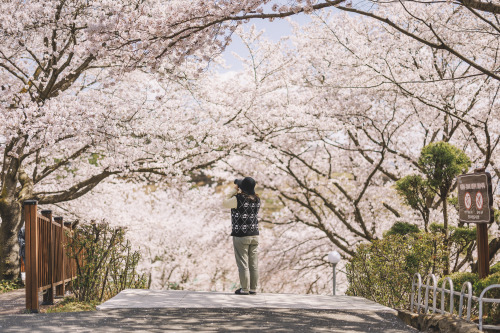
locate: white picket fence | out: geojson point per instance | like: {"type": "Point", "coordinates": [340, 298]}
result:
{"type": "Point", "coordinates": [425, 307]}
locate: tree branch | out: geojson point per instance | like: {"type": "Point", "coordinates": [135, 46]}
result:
{"type": "Point", "coordinates": [439, 46]}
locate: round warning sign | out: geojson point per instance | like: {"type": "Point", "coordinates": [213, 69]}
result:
{"type": "Point", "coordinates": [468, 201]}
{"type": "Point", "coordinates": [479, 201]}
{"type": "Point", "coordinates": [475, 198]}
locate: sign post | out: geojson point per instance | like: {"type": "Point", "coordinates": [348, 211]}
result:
{"type": "Point", "coordinates": [475, 199]}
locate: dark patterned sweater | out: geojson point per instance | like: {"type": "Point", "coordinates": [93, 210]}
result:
{"type": "Point", "coordinates": [244, 217]}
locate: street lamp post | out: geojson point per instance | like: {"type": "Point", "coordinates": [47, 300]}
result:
{"type": "Point", "coordinates": [334, 258]}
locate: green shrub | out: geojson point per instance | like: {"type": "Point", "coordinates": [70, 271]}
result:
{"type": "Point", "coordinates": [459, 278]}
{"type": "Point", "coordinates": [9, 285]}
{"type": "Point", "coordinates": [436, 228]}
{"type": "Point", "coordinates": [480, 285]}
{"type": "Point", "coordinates": [383, 270]}
{"type": "Point", "coordinates": [71, 304]}
{"type": "Point", "coordinates": [492, 311]}
{"type": "Point", "coordinates": [458, 235]}
{"type": "Point", "coordinates": [106, 263]}
{"type": "Point", "coordinates": [402, 228]}
{"type": "Point", "coordinates": [416, 193]}
{"type": "Point", "coordinates": [461, 242]}
{"type": "Point", "coordinates": [495, 268]}
{"type": "Point", "coordinates": [441, 162]}
{"type": "Point", "coordinates": [462, 236]}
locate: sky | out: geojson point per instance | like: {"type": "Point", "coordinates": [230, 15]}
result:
{"type": "Point", "coordinates": [273, 31]}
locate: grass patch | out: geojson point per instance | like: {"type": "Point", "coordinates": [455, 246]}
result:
{"type": "Point", "coordinates": [71, 304]}
{"type": "Point", "coordinates": [9, 285]}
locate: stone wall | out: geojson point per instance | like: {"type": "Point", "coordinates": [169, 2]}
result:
{"type": "Point", "coordinates": [437, 323]}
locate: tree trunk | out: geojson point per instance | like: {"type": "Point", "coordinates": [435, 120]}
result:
{"type": "Point", "coordinates": [446, 238]}
{"type": "Point", "coordinates": [11, 214]}
{"type": "Point", "coordinates": [11, 197]}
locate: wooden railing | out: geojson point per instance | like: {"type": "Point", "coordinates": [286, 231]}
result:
{"type": "Point", "coordinates": [48, 268]}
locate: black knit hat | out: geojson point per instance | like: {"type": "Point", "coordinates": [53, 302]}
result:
{"type": "Point", "coordinates": [246, 184]}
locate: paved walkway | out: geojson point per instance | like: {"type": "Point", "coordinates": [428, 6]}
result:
{"type": "Point", "coordinates": [188, 311]}
{"type": "Point", "coordinates": [206, 320]}
{"type": "Point", "coordinates": [12, 302]}
{"type": "Point", "coordinates": [160, 299]}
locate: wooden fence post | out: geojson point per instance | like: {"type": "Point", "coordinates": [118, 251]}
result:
{"type": "Point", "coordinates": [48, 297]}
{"type": "Point", "coordinates": [31, 254]}
{"type": "Point", "coordinates": [66, 272]}
{"type": "Point", "coordinates": [71, 271]}
{"type": "Point", "coordinates": [60, 289]}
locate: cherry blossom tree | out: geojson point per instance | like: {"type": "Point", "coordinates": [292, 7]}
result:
{"type": "Point", "coordinates": [120, 90]}
{"type": "Point", "coordinates": [182, 233]}
{"type": "Point", "coordinates": [343, 116]}
{"type": "Point", "coordinates": [117, 130]}
{"type": "Point", "coordinates": [58, 60]}
{"type": "Point", "coordinates": [467, 30]}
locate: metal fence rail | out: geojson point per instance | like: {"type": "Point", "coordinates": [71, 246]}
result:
{"type": "Point", "coordinates": [424, 307]}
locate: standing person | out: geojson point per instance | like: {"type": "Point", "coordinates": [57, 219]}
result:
{"type": "Point", "coordinates": [245, 204]}
{"type": "Point", "coordinates": [22, 244]}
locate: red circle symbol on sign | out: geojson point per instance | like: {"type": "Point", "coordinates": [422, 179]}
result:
{"type": "Point", "coordinates": [467, 200]}
{"type": "Point", "coordinates": [479, 200]}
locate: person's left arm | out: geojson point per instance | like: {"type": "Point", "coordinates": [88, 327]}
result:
{"type": "Point", "coordinates": [230, 201]}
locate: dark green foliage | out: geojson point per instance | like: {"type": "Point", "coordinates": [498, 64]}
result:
{"type": "Point", "coordinates": [495, 268]}
{"type": "Point", "coordinates": [461, 243]}
{"type": "Point", "coordinates": [106, 263]}
{"type": "Point", "coordinates": [402, 228]}
{"type": "Point", "coordinates": [480, 285]}
{"type": "Point", "coordinates": [459, 278]}
{"type": "Point", "coordinates": [463, 234]}
{"type": "Point", "coordinates": [441, 162]}
{"type": "Point", "coordinates": [9, 285]}
{"type": "Point", "coordinates": [460, 236]}
{"type": "Point", "coordinates": [436, 227]}
{"type": "Point", "coordinates": [416, 194]}
{"type": "Point", "coordinates": [462, 246]}
{"type": "Point", "coordinates": [383, 270]}
{"type": "Point", "coordinates": [496, 215]}
{"type": "Point", "coordinates": [413, 190]}
{"type": "Point", "coordinates": [453, 201]}
{"type": "Point", "coordinates": [492, 311]}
